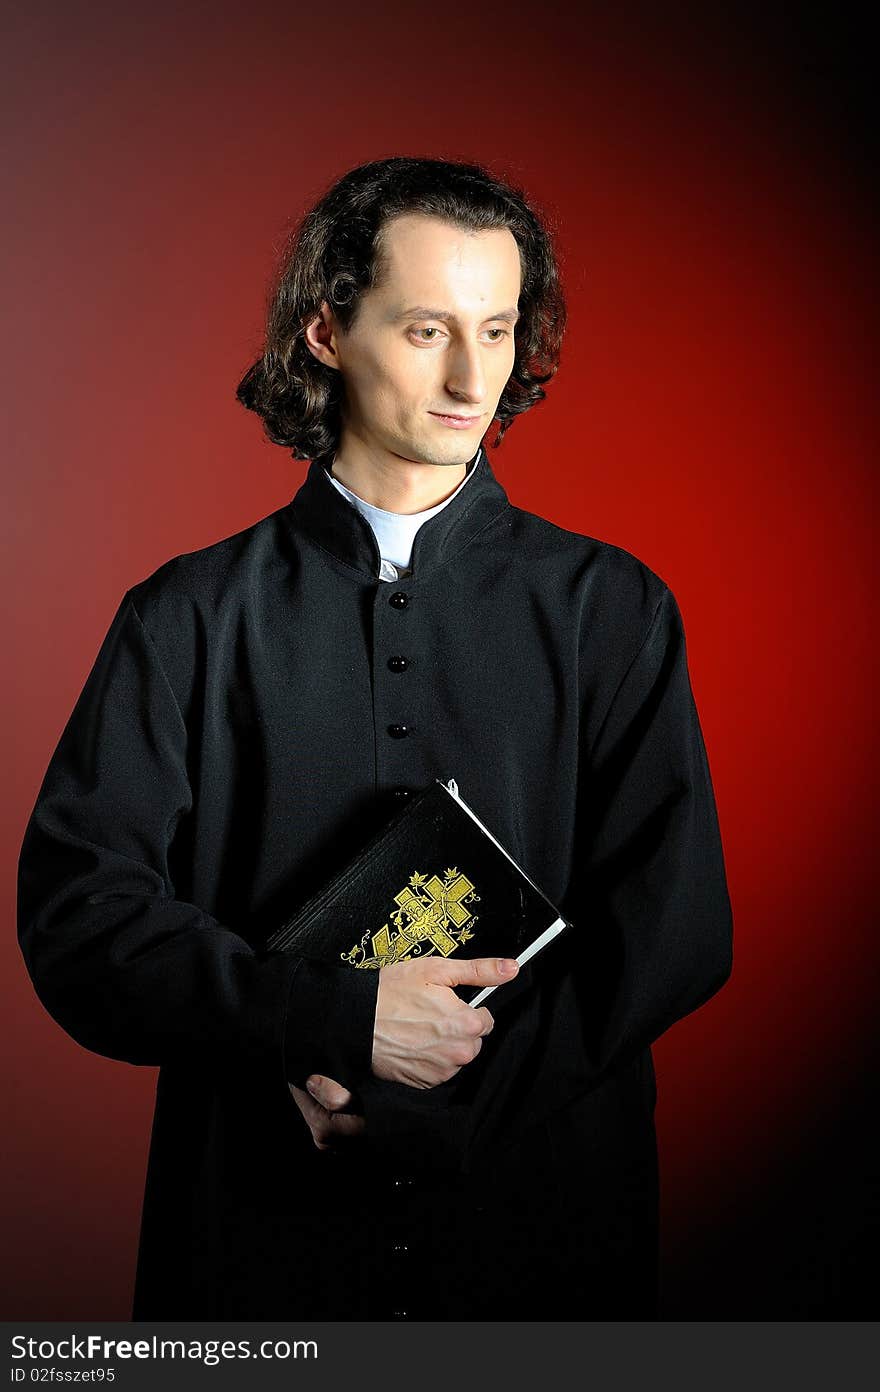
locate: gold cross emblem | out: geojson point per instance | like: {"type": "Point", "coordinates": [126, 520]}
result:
{"type": "Point", "coordinates": [433, 915]}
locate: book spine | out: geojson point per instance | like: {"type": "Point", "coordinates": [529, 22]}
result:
{"type": "Point", "coordinates": [312, 909]}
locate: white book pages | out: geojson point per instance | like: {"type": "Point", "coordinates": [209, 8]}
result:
{"type": "Point", "coordinates": [543, 938]}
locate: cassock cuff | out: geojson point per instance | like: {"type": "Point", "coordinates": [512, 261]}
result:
{"type": "Point", "coordinates": [328, 1027]}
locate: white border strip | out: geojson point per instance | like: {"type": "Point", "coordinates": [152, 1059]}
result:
{"type": "Point", "coordinates": [540, 941]}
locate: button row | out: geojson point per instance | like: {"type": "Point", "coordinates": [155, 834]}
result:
{"type": "Point", "coordinates": [401, 1184]}
{"type": "Point", "coordinates": [399, 600]}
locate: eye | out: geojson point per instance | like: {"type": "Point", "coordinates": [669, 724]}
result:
{"type": "Point", "coordinates": [502, 333]}
{"type": "Point", "coordinates": [429, 330]}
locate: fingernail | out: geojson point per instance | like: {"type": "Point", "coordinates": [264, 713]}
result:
{"type": "Point", "coordinates": [507, 966]}
{"type": "Point", "coordinates": [311, 1087]}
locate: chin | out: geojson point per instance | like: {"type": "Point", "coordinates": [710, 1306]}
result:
{"type": "Point", "coordinates": [456, 453]}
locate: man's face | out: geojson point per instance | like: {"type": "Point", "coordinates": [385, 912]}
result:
{"type": "Point", "coordinates": [434, 339]}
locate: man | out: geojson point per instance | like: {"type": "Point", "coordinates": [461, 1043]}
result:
{"type": "Point", "coordinates": [334, 1143]}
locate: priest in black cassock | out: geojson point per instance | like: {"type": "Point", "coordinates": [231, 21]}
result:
{"type": "Point", "coordinates": [341, 1144]}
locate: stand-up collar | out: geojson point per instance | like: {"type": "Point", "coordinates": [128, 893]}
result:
{"type": "Point", "coordinates": [324, 514]}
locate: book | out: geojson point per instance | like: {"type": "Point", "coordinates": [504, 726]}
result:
{"type": "Point", "coordinates": [433, 881]}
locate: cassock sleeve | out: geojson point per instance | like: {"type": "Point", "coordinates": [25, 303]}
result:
{"type": "Point", "coordinates": [125, 967]}
{"type": "Point", "coordinates": [652, 934]}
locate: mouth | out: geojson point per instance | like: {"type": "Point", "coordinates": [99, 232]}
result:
{"type": "Point", "coordinates": [455, 422]}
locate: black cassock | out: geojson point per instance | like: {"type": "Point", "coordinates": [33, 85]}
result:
{"type": "Point", "coordinates": [236, 741]}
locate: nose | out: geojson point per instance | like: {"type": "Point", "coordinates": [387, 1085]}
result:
{"type": "Point", "coordinates": [465, 378]}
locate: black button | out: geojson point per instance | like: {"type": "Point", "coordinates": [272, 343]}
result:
{"type": "Point", "coordinates": [399, 600]}
{"type": "Point", "coordinates": [398, 664]}
{"type": "Point", "coordinates": [400, 794]}
{"type": "Point", "coordinates": [398, 731]}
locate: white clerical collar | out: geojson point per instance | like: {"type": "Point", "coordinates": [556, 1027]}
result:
{"type": "Point", "coordinates": [395, 531]}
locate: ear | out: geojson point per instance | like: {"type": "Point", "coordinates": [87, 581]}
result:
{"type": "Point", "coordinates": [320, 334]}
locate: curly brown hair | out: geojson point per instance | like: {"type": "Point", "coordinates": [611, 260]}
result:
{"type": "Point", "coordinates": [336, 253]}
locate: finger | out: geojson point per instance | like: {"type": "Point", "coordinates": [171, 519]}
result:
{"type": "Point", "coordinates": [327, 1128]}
{"type": "Point", "coordinates": [312, 1112]}
{"type": "Point", "coordinates": [486, 1021]}
{"type": "Point", "coordinates": [472, 1022]}
{"type": "Point", "coordinates": [472, 971]}
{"type": "Point", "coordinates": [343, 1128]}
{"type": "Point", "coordinates": [328, 1093]}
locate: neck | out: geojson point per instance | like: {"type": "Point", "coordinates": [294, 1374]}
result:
{"type": "Point", "coordinates": [395, 484]}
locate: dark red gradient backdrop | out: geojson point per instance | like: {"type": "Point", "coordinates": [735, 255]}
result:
{"type": "Point", "coordinates": [714, 414]}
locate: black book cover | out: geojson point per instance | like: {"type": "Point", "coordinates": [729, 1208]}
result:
{"type": "Point", "coordinates": [434, 880]}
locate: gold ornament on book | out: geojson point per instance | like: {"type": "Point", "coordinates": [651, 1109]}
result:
{"type": "Point", "coordinates": [433, 915]}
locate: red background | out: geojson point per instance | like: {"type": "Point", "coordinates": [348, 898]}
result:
{"type": "Point", "coordinates": [713, 415]}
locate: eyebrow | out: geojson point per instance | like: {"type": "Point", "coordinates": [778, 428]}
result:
{"type": "Point", "coordinates": [510, 316]}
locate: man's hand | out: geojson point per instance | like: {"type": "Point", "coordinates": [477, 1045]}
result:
{"type": "Point", "coordinates": [424, 1033]}
{"type": "Point", "coordinates": [323, 1108]}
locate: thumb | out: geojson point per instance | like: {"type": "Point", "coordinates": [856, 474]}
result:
{"type": "Point", "coordinates": [473, 971]}
{"type": "Point", "coordinates": [332, 1096]}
